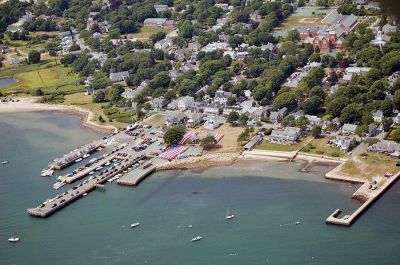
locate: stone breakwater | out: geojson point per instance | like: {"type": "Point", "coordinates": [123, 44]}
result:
{"type": "Point", "coordinates": [204, 161]}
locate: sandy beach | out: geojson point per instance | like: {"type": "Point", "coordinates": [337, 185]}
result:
{"type": "Point", "coordinates": [30, 105]}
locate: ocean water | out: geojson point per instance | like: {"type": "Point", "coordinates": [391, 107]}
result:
{"type": "Point", "coordinates": [267, 199]}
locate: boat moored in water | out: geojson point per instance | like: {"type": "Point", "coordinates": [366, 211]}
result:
{"type": "Point", "coordinates": [196, 238]}
{"type": "Point", "coordinates": [13, 239]}
{"type": "Point", "coordinates": [4, 162]}
{"type": "Point", "coordinates": [135, 225]}
{"type": "Point", "coordinates": [78, 160]}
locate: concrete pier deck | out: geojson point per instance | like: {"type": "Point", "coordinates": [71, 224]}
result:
{"type": "Point", "coordinates": [60, 201]}
{"type": "Point", "coordinates": [134, 177]}
{"type": "Point", "coordinates": [373, 195]}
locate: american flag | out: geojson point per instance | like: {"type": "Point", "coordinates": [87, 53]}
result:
{"type": "Point", "coordinates": [173, 152]}
{"type": "Point", "coordinates": [187, 137]}
{"type": "Point", "coordinates": [217, 136]}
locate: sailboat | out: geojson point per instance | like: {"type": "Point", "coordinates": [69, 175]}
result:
{"type": "Point", "coordinates": [229, 216]}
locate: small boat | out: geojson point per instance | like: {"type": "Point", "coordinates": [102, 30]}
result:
{"type": "Point", "coordinates": [297, 223]}
{"type": "Point", "coordinates": [196, 238]}
{"type": "Point", "coordinates": [58, 185]}
{"type": "Point", "coordinates": [13, 239]}
{"type": "Point", "coordinates": [190, 226]}
{"type": "Point", "coordinates": [229, 216]}
{"type": "Point", "coordinates": [99, 168]}
{"type": "Point", "coordinates": [85, 194]}
{"type": "Point", "coordinates": [78, 160]}
{"type": "Point", "coordinates": [4, 162]}
{"type": "Point", "coordinates": [107, 164]}
{"type": "Point", "coordinates": [47, 172]}
{"type": "Point", "coordinates": [135, 225]}
{"type": "Point", "coordinates": [91, 172]}
{"type": "Point", "coordinates": [86, 155]}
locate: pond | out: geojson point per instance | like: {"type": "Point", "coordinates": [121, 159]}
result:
{"type": "Point", "coordinates": [7, 81]}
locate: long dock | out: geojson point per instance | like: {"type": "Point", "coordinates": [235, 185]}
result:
{"type": "Point", "coordinates": [348, 220]}
{"type": "Point", "coordinates": [134, 177]}
{"type": "Point", "coordinates": [87, 170]}
{"type": "Point", "coordinates": [65, 161]}
{"type": "Point", "coordinates": [60, 201]}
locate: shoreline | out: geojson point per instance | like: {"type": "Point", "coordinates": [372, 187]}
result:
{"type": "Point", "coordinates": [30, 105]}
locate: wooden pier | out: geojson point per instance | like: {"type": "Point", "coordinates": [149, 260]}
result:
{"type": "Point", "coordinates": [60, 201]}
{"type": "Point", "coordinates": [134, 177]}
{"type": "Point", "coordinates": [348, 220]}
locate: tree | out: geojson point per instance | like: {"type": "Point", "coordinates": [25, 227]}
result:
{"type": "Point", "coordinates": [33, 57]}
{"type": "Point", "coordinates": [173, 135]}
{"type": "Point", "coordinates": [395, 135]}
{"type": "Point", "coordinates": [157, 36]}
{"type": "Point", "coordinates": [243, 118]}
{"type": "Point", "coordinates": [302, 122]}
{"type": "Point", "coordinates": [186, 29]}
{"type": "Point", "coordinates": [208, 142]}
{"type": "Point", "coordinates": [38, 92]}
{"type": "Point", "coordinates": [99, 97]}
{"type": "Point", "coordinates": [232, 117]}
{"type": "Point", "coordinates": [316, 131]}
{"type": "Point", "coordinates": [387, 124]}
{"type": "Point", "coordinates": [311, 105]}
{"type": "Point", "coordinates": [289, 120]}
{"type": "Point", "coordinates": [396, 100]}
{"type": "Point", "coordinates": [285, 99]}
{"type": "Point", "coordinates": [387, 107]}
{"type": "Point", "coordinates": [293, 35]}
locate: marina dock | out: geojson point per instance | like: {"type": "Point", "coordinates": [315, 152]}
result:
{"type": "Point", "coordinates": [60, 201]}
{"type": "Point", "coordinates": [134, 177]}
{"type": "Point", "coordinates": [68, 159]}
{"type": "Point", "coordinates": [348, 220]}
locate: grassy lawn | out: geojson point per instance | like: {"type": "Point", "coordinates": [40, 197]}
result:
{"type": "Point", "coordinates": [48, 76]}
{"type": "Point", "coordinates": [373, 165]}
{"type": "Point", "coordinates": [146, 31]}
{"type": "Point", "coordinates": [293, 21]}
{"type": "Point", "coordinates": [85, 102]}
{"type": "Point", "coordinates": [266, 145]}
{"type": "Point", "coordinates": [155, 120]}
{"type": "Point", "coordinates": [320, 147]}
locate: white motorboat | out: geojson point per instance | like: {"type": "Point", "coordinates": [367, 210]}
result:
{"type": "Point", "coordinates": [58, 185]}
{"type": "Point", "coordinates": [85, 194]}
{"type": "Point", "coordinates": [13, 239]}
{"type": "Point", "coordinates": [135, 225]}
{"type": "Point", "coordinates": [99, 168]}
{"type": "Point", "coordinates": [196, 238]}
{"type": "Point", "coordinates": [86, 155]}
{"type": "Point", "coordinates": [297, 223]}
{"type": "Point", "coordinates": [107, 164]}
{"type": "Point", "coordinates": [47, 172]}
{"type": "Point", "coordinates": [78, 160]}
{"type": "Point", "coordinates": [229, 216]}
{"type": "Point", "coordinates": [91, 172]}
{"type": "Point", "coordinates": [4, 162]}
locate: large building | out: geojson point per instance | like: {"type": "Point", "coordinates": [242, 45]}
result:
{"type": "Point", "coordinates": [330, 36]}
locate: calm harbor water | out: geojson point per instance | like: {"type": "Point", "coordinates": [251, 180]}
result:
{"type": "Point", "coordinates": [7, 81]}
{"type": "Point", "coordinates": [266, 197]}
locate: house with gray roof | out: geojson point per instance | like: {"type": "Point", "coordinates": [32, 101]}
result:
{"type": "Point", "coordinates": [349, 128]}
{"type": "Point", "coordinates": [345, 143]}
{"type": "Point", "coordinates": [157, 22]}
{"type": "Point", "coordinates": [195, 119]}
{"type": "Point", "coordinates": [175, 118]}
{"type": "Point", "coordinates": [119, 76]}
{"type": "Point", "coordinates": [277, 116]}
{"type": "Point", "coordinates": [255, 140]}
{"type": "Point", "coordinates": [377, 116]}
{"type": "Point", "coordinates": [289, 135]}
{"type": "Point", "coordinates": [159, 103]}
{"type": "Point", "coordinates": [384, 147]}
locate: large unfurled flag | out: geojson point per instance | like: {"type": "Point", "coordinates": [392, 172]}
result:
{"type": "Point", "coordinates": [187, 137]}
{"type": "Point", "coordinates": [173, 152]}
{"type": "Point", "coordinates": [217, 136]}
